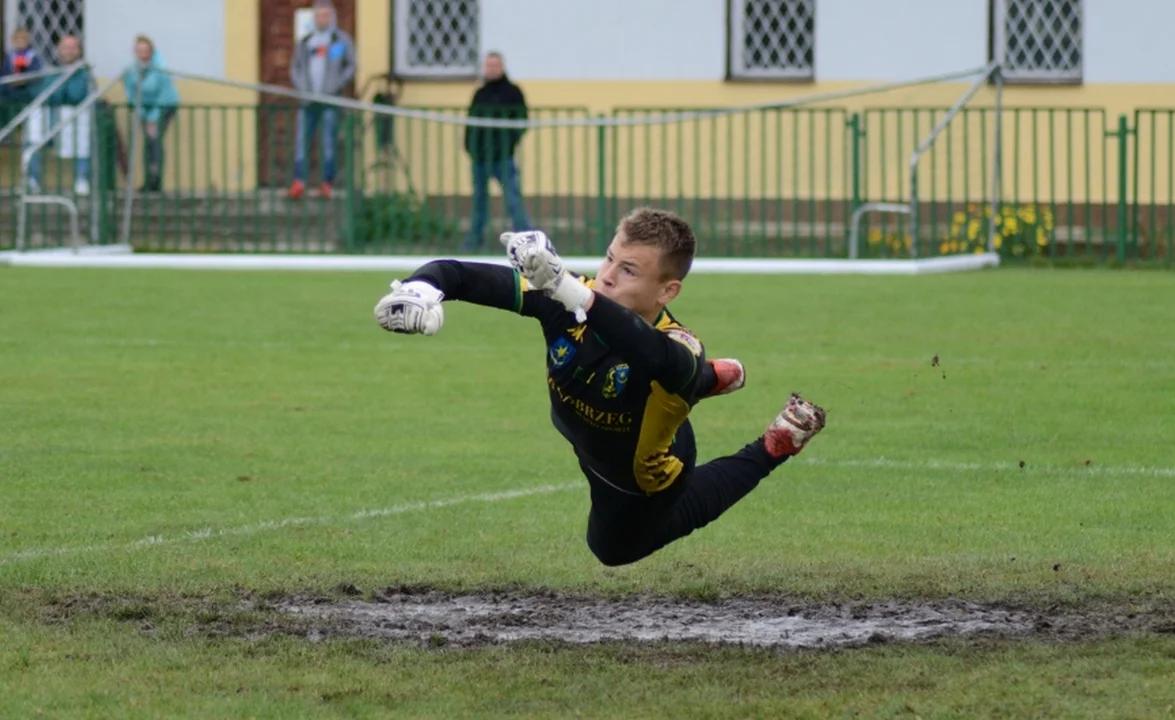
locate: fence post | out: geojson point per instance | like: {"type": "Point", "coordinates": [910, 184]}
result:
{"type": "Point", "coordinates": [1123, 201]}
{"type": "Point", "coordinates": [103, 163]}
{"type": "Point", "coordinates": [353, 189]}
{"type": "Point", "coordinates": [601, 183]}
{"type": "Point", "coordinates": [855, 129]}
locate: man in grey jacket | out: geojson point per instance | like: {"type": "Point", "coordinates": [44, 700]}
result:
{"type": "Point", "coordinates": [323, 64]}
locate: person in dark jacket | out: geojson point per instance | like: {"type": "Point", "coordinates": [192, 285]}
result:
{"type": "Point", "coordinates": [491, 149]}
{"type": "Point", "coordinates": [21, 59]}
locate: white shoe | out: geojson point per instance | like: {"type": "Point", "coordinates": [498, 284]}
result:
{"type": "Point", "coordinates": [81, 187]}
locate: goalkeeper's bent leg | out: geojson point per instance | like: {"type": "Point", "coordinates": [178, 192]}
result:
{"type": "Point", "coordinates": [703, 493]}
{"type": "Point", "coordinates": [700, 496]}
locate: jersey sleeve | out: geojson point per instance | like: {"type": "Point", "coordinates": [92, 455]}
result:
{"type": "Point", "coordinates": [486, 284]}
{"type": "Point", "coordinates": [670, 356]}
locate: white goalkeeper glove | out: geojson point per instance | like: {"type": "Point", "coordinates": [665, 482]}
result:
{"type": "Point", "coordinates": [532, 255]}
{"type": "Point", "coordinates": [412, 308]}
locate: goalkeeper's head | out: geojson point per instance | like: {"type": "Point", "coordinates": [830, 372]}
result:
{"type": "Point", "coordinates": [649, 257]}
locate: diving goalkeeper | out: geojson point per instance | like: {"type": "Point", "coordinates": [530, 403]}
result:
{"type": "Point", "coordinates": [623, 375]}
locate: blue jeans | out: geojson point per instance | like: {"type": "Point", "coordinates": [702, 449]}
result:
{"type": "Point", "coordinates": [308, 118]}
{"type": "Point", "coordinates": [506, 173]}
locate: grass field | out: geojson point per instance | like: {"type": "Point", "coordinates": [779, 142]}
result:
{"type": "Point", "coordinates": [178, 443]}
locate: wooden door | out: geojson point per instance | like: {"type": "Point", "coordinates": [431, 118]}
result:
{"type": "Point", "coordinates": [277, 116]}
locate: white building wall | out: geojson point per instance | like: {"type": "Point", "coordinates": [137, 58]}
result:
{"type": "Point", "coordinates": [188, 33]}
{"type": "Point", "coordinates": [1129, 41]}
{"type": "Point", "coordinates": [1125, 40]}
{"type": "Point", "coordinates": [871, 40]}
{"type": "Point", "coordinates": [607, 39]}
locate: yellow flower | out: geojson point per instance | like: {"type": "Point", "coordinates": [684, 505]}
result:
{"type": "Point", "coordinates": [999, 241]}
{"type": "Point", "coordinates": [1042, 239]}
{"type": "Point", "coordinates": [973, 230]}
{"type": "Point", "coordinates": [1011, 225]}
{"type": "Point", "coordinates": [1028, 215]}
{"type": "Point", "coordinates": [960, 218]}
{"type": "Point", "coordinates": [874, 236]}
{"type": "Point", "coordinates": [979, 250]}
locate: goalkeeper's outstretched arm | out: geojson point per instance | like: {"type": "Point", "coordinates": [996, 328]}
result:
{"type": "Point", "coordinates": [670, 357]}
{"type": "Point", "coordinates": [414, 304]}
{"type": "Point", "coordinates": [485, 284]}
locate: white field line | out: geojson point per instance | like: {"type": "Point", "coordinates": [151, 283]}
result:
{"type": "Point", "coordinates": [880, 463]}
{"type": "Point", "coordinates": [269, 525]}
{"type": "Point", "coordinates": [1092, 469]}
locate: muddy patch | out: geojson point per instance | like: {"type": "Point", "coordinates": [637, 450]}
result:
{"type": "Point", "coordinates": [471, 620]}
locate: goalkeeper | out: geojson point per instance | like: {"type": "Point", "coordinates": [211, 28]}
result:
{"type": "Point", "coordinates": [623, 375]}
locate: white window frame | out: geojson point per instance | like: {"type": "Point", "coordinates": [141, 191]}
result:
{"type": "Point", "coordinates": [736, 37]}
{"type": "Point", "coordinates": [400, 46]}
{"type": "Point", "coordinates": [12, 21]}
{"type": "Point", "coordinates": [1028, 75]}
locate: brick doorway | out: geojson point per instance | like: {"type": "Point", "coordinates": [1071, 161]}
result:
{"type": "Point", "coordinates": [276, 116]}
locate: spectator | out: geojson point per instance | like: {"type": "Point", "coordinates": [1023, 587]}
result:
{"type": "Point", "coordinates": [492, 149]}
{"type": "Point", "coordinates": [323, 64]}
{"type": "Point", "coordinates": [74, 140]}
{"type": "Point", "coordinates": [158, 101]}
{"type": "Point", "coordinates": [22, 59]}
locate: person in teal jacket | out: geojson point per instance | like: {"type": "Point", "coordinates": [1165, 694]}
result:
{"type": "Point", "coordinates": [74, 141]}
{"type": "Point", "coordinates": [158, 106]}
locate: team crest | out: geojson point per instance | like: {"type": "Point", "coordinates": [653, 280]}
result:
{"type": "Point", "coordinates": [560, 353]}
{"type": "Point", "coordinates": [615, 381]}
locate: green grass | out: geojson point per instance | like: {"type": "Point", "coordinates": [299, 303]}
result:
{"type": "Point", "coordinates": [249, 423]}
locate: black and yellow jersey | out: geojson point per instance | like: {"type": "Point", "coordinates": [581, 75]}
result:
{"type": "Point", "coordinates": [621, 389]}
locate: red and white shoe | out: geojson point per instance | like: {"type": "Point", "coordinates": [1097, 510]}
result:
{"type": "Point", "coordinates": [793, 427]}
{"type": "Point", "coordinates": [731, 376]}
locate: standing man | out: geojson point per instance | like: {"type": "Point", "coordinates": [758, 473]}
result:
{"type": "Point", "coordinates": [324, 63]}
{"type": "Point", "coordinates": [491, 149]}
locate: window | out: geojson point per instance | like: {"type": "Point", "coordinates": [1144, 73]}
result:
{"type": "Point", "coordinates": [47, 21]}
{"type": "Point", "coordinates": [436, 38]}
{"type": "Point", "coordinates": [1039, 40]}
{"type": "Point", "coordinates": [772, 39]}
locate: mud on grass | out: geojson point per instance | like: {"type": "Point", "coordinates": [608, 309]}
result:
{"type": "Point", "coordinates": [432, 618]}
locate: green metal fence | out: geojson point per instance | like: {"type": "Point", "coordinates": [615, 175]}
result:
{"type": "Point", "coordinates": [1059, 193]}
{"type": "Point", "coordinates": [1075, 183]}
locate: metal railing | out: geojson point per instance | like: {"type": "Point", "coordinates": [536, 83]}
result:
{"type": "Point", "coordinates": [1069, 184]}
{"type": "Point", "coordinates": [911, 208]}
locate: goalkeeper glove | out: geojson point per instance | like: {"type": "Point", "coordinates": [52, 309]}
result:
{"type": "Point", "coordinates": [411, 308]}
{"type": "Point", "coordinates": [533, 256]}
